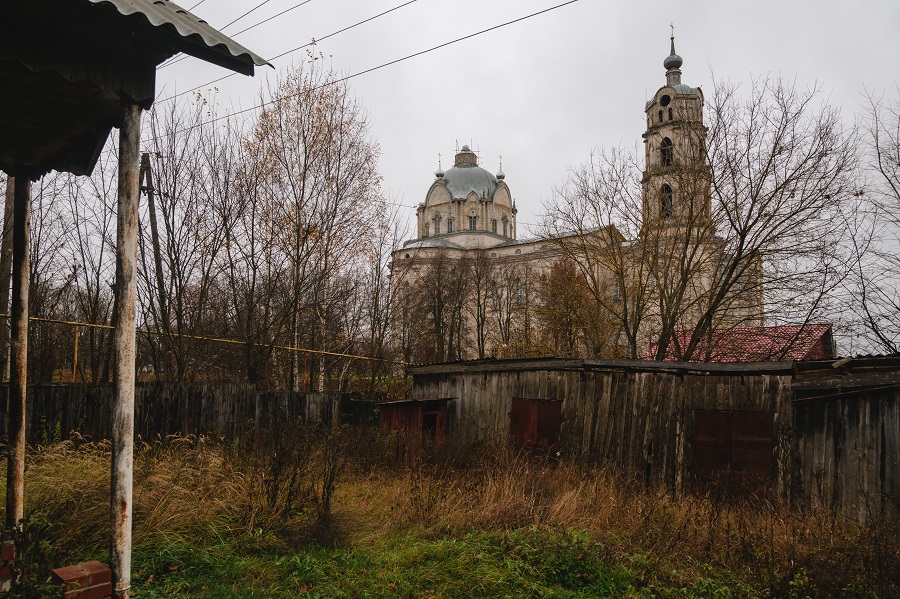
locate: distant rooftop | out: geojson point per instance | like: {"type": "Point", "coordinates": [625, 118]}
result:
{"type": "Point", "coordinates": [759, 344]}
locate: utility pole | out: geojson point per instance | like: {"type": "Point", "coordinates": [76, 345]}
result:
{"type": "Point", "coordinates": [122, 437]}
{"type": "Point", "coordinates": [6, 273]}
{"type": "Point", "coordinates": [18, 380]}
{"type": "Point", "coordinates": [146, 182]}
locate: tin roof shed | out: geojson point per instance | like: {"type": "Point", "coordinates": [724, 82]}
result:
{"type": "Point", "coordinates": [66, 65]}
{"type": "Point", "coordinates": [70, 71]}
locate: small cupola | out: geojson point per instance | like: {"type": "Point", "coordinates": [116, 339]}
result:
{"type": "Point", "coordinates": [672, 64]}
{"type": "Point", "coordinates": [465, 157]}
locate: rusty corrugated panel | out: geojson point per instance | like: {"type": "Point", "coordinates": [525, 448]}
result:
{"type": "Point", "coordinates": [535, 423]}
{"type": "Point", "coordinates": [733, 452]}
{"type": "Point", "coordinates": [162, 13]}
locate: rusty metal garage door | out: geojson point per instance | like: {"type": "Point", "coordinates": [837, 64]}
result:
{"type": "Point", "coordinates": [732, 452]}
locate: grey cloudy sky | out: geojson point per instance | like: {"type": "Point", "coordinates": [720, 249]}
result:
{"type": "Point", "coordinates": [545, 91]}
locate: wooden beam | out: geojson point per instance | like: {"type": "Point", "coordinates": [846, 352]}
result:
{"type": "Point", "coordinates": [848, 381]}
{"type": "Point", "coordinates": [18, 381]}
{"type": "Point", "coordinates": [122, 473]}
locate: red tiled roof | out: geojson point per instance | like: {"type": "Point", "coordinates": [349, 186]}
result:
{"type": "Point", "coordinates": [758, 344]}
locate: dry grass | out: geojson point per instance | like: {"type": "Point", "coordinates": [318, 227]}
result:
{"type": "Point", "coordinates": [190, 488]}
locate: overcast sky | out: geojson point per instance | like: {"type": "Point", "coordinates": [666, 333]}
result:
{"type": "Point", "coordinates": [545, 91]}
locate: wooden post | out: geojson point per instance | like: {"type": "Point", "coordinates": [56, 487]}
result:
{"type": "Point", "coordinates": [122, 474]}
{"type": "Point", "coordinates": [147, 176]}
{"type": "Point", "coordinates": [5, 270]}
{"type": "Point", "coordinates": [75, 358]}
{"type": "Point", "coordinates": [18, 380]}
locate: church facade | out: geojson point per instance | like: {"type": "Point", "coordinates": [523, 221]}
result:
{"type": "Point", "coordinates": [468, 288]}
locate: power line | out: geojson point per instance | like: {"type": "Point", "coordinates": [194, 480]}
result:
{"type": "Point", "coordinates": [372, 18]}
{"type": "Point", "coordinates": [258, 6]}
{"type": "Point", "coordinates": [215, 339]}
{"type": "Point", "coordinates": [381, 66]}
{"type": "Point", "coordinates": [272, 17]}
{"type": "Point", "coordinates": [275, 16]}
{"type": "Point", "coordinates": [172, 61]}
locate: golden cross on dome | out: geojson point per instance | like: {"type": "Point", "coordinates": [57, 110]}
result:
{"type": "Point", "coordinates": [672, 25]}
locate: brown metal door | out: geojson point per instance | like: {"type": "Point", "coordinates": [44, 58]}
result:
{"type": "Point", "coordinates": [712, 448]}
{"type": "Point", "coordinates": [751, 452]}
{"type": "Point", "coordinates": [549, 422]}
{"type": "Point", "coordinates": [535, 423]}
{"type": "Point", "coordinates": [523, 422]}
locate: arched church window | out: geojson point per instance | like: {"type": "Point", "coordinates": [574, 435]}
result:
{"type": "Point", "coordinates": [660, 116]}
{"type": "Point", "coordinates": [670, 113]}
{"type": "Point", "coordinates": [493, 225]}
{"type": "Point", "coordinates": [437, 224]}
{"type": "Point", "coordinates": [667, 152]}
{"type": "Point", "coordinates": [505, 226]}
{"type": "Point", "coordinates": [427, 229]}
{"type": "Point", "coordinates": [449, 225]}
{"type": "Point", "coordinates": [473, 222]}
{"type": "Point", "coordinates": [665, 201]}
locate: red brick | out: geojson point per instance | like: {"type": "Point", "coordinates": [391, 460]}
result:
{"type": "Point", "coordinates": [99, 591]}
{"type": "Point", "coordinates": [97, 572]}
{"type": "Point", "coordinates": [6, 572]}
{"type": "Point", "coordinates": [7, 551]}
{"type": "Point", "coordinates": [89, 580]}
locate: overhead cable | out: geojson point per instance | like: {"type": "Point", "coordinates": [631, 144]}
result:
{"type": "Point", "coordinates": [376, 68]}
{"type": "Point", "coordinates": [316, 40]}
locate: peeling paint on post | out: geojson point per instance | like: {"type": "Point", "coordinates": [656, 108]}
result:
{"type": "Point", "coordinates": [18, 380]}
{"type": "Point", "coordinates": [123, 409]}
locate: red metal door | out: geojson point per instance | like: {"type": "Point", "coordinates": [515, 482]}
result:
{"type": "Point", "coordinates": [732, 452]}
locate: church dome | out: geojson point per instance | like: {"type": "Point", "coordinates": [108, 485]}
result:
{"type": "Point", "coordinates": [466, 176]}
{"type": "Point", "coordinates": [672, 61]}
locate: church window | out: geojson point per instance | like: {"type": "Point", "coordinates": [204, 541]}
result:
{"type": "Point", "coordinates": [667, 152]}
{"type": "Point", "coordinates": [665, 201]}
{"type": "Point", "coordinates": [660, 116]}
{"type": "Point", "coordinates": [670, 114]}
{"type": "Point", "coordinates": [493, 225]}
{"type": "Point", "coordinates": [437, 224]}
{"type": "Point", "coordinates": [473, 222]}
{"type": "Point", "coordinates": [449, 225]}
{"type": "Point", "coordinates": [505, 226]}
{"type": "Point", "coordinates": [427, 229]}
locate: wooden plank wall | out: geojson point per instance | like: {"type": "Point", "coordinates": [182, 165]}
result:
{"type": "Point", "coordinates": [848, 453]}
{"type": "Point", "coordinates": [55, 410]}
{"type": "Point", "coordinates": [640, 421]}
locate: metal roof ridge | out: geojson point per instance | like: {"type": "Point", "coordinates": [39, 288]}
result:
{"type": "Point", "coordinates": [160, 13]}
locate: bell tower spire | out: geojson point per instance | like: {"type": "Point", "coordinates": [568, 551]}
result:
{"type": "Point", "coordinates": [676, 174]}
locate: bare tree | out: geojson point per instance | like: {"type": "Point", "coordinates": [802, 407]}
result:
{"type": "Point", "coordinates": [319, 179]}
{"type": "Point", "coordinates": [91, 249]}
{"type": "Point", "coordinates": [874, 289]}
{"type": "Point", "coordinates": [480, 269]}
{"type": "Point", "coordinates": [748, 228]}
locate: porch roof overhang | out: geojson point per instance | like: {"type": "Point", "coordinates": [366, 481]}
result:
{"type": "Point", "coordinates": [66, 66]}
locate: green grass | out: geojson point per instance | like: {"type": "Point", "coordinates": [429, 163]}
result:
{"type": "Point", "coordinates": [521, 563]}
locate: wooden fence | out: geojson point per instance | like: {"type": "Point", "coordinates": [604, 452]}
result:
{"type": "Point", "coordinates": [847, 439]}
{"type": "Point", "coordinates": [230, 410]}
{"type": "Point", "coordinates": [822, 433]}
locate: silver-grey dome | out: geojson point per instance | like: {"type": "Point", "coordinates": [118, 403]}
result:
{"type": "Point", "coordinates": [672, 61]}
{"type": "Point", "coordinates": [462, 180]}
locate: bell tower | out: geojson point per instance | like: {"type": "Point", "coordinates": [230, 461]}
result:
{"type": "Point", "coordinates": [676, 175]}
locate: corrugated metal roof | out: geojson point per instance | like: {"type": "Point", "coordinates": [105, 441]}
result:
{"type": "Point", "coordinates": [162, 13]}
{"type": "Point", "coordinates": [756, 344]}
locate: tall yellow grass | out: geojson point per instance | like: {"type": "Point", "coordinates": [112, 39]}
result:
{"type": "Point", "coordinates": [194, 487]}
